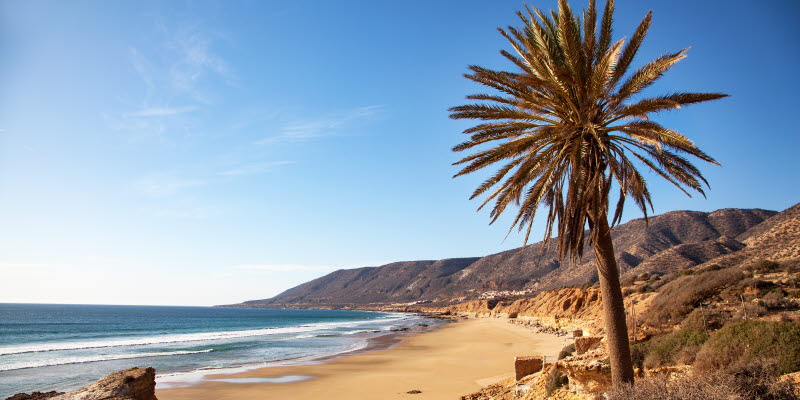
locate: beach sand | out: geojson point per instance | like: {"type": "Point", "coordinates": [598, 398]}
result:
{"type": "Point", "coordinates": [446, 363]}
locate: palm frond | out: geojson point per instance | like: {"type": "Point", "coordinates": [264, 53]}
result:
{"type": "Point", "coordinates": [564, 131]}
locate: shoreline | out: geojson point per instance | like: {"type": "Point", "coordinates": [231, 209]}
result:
{"type": "Point", "coordinates": [376, 342]}
{"type": "Point", "coordinates": [383, 341]}
{"type": "Point", "coordinates": [441, 362]}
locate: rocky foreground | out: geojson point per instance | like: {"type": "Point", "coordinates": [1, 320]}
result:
{"type": "Point", "coordinates": [129, 384]}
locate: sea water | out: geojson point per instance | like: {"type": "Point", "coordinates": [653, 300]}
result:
{"type": "Point", "coordinates": [61, 347]}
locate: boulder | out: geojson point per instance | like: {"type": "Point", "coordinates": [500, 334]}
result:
{"type": "Point", "coordinates": [524, 366]}
{"type": "Point", "coordinates": [129, 384]}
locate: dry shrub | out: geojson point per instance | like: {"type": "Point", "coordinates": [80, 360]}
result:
{"type": "Point", "coordinates": [791, 267]}
{"type": "Point", "coordinates": [758, 381]}
{"type": "Point", "coordinates": [743, 343]}
{"type": "Point", "coordinates": [777, 300]}
{"type": "Point", "coordinates": [763, 266]}
{"type": "Point", "coordinates": [680, 296]}
{"type": "Point", "coordinates": [749, 310]}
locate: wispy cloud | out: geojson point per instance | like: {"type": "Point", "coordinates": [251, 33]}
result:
{"type": "Point", "coordinates": [165, 185]}
{"type": "Point", "coordinates": [182, 67]}
{"type": "Point", "coordinates": [162, 111]}
{"type": "Point", "coordinates": [195, 62]}
{"type": "Point", "coordinates": [301, 130]}
{"type": "Point", "coordinates": [252, 169]}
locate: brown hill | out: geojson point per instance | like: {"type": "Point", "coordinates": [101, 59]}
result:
{"type": "Point", "coordinates": [670, 242]}
{"type": "Point", "coordinates": [776, 239]}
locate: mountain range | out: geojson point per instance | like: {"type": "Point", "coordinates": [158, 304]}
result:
{"type": "Point", "coordinates": [664, 244]}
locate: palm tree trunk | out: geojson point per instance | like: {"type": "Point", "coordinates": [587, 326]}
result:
{"type": "Point", "coordinates": [613, 306]}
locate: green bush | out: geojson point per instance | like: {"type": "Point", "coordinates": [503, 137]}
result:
{"type": "Point", "coordinates": [712, 267]}
{"type": "Point", "coordinates": [673, 348]}
{"type": "Point", "coordinates": [743, 343]}
{"type": "Point", "coordinates": [763, 266]}
{"type": "Point", "coordinates": [706, 319]}
{"type": "Point", "coordinates": [638, 353]}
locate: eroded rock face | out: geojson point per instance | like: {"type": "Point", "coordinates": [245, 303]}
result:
{"type": "Point", "coordinates": [129, 384]}
{"type": "Point", "coordinates": [588, 374]}
{"type": "Point", "coordinates": [586, 343]}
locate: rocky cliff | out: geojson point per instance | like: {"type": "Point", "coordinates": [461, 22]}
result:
{"type": "Point", "coordinates": [669, 242]}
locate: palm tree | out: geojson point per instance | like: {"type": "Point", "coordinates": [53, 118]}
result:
{"type": "Point", "coordinates": [567, 127]}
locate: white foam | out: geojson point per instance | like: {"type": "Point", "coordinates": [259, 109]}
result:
{"type": "Point", "coordinates": [179, 338]}
{"type": "Point", "coordinates": [81, 360]}
{"type": "Point", "coordinates": [191, 378]}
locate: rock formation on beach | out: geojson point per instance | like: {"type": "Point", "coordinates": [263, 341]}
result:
{"type": "Point", "coordinates": [129, 384]}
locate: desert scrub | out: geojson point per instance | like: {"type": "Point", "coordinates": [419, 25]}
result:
{"type": "Point", "coordinates": [706, 319]}
{"type": "Point", "coordinates": [682, 295]}
{"type": "Point", "coordinates": [743, 343]}
{"type": "Point", "coordinates": [756, 381]}
{"type": "Point", "coordinates": [777, 299]}
{"type": "Point", "coordinates": [763, 267]}
{"type": "Point", "coordinates": [673, 348]}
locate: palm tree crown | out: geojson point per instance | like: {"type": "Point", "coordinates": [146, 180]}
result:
{"type": "Point", "coordinates": [567, 124]}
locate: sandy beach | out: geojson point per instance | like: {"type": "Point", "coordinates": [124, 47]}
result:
{"type": "Point", "coordinates": [445, 363]}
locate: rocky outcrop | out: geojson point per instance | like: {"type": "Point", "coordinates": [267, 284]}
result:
{"type": "Point", "coordinates": [35, 395]}
{"type": "Point", "coordinates": [588, 373]}
{"type": "Point", "coordinates": [129, 384]}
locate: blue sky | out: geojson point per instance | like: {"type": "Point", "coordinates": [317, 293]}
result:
{"type": "Point", "coordinates": [212, 152]}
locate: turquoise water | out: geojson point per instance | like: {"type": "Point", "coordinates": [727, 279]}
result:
{"type": "Point", "coordinates": [61, 347]}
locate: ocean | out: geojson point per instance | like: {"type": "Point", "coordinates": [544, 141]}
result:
{"type": "Point", "coordinates": [62, 347]}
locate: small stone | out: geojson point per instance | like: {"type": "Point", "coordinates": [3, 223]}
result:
{"type": "Point", "coordinates": [415, 391]}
